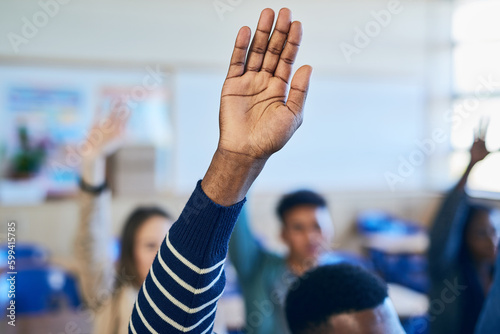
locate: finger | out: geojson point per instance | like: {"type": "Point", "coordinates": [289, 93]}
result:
{"type": "Point", "coordinates": [480, 129]}
{"type": "Point", "coordinates": [277, 40]}
{"type": "Point", "coordinates": [485, 123]}
{"type": "Point", "coordinates": [121, 119]}
{"type": "Point", "coordinates": [287, 58]}
{"type": "Point", "coordinates": [298, 89]}
{"type": "Point", "coordinates": [118, 117]}
{"type": "Point", "coordinates": [260, 40]}
{"type": "Point", "coordinates": [121, 109]}
{"type": "Point", "coordinates": [237, 65]}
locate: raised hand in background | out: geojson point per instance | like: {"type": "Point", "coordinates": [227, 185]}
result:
{"type": "Point", "coordinates": [478, 150]}
{"type": "Point", "coordinates": [104, 138]}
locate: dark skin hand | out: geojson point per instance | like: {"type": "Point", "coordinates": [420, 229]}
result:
{"type": "Point", "coordinates": [478, 152]}
{"type": "Point", "coordinates": [256, 118]}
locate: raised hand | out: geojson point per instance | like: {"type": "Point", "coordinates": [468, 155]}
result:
{"type": "Point", "coordinates": [478, 150]}
{"type": "Point", "coordinates": [106, 134]}
{"type": "Point", "coordinates": [103, 139]}
{"type": "Point", "coordinates": [256, 117]}
{"type": "Point", "coordinates": [260, 108]}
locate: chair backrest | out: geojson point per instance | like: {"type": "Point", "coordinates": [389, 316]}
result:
{"type": "Point", "coordinates": [41, 290]}
{"type": "Point", "coordinates": [26, 255]}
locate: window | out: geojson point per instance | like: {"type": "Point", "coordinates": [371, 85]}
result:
{"type": "Point", "coordinates": [476, 86]}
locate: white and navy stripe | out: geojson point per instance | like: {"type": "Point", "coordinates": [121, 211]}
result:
{"type": "Point", "coordinates": [187, 277]}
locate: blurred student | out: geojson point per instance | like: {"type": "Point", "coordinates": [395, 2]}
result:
{"type": "Point", "coordinates": [306, 229]}
{"type": "Point", "coordinates": [464, 240]}
{"type": "Point", "coordinates": [259, 112]}
{"type": "Point", "coordinates": [341, 299]}
{"type": "Point", "coordinates": [108, 292]}
{"type": "Point", "coordinates": [111, 292]}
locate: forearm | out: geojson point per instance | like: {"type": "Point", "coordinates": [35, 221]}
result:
{"type": "Point", "coordinates": [447, 230]}
{"type": "Point", "coordinates": [463, 180]}
{"type": "Point", "coordinates": [186, 279]}
{"type": "Point", "coordinates": [449, 221]}
{"type": "Point", "coordinates": [452, 206]}
{"type": "Point", "coordinates": [230, 176]}
{"type": "Point", "coordinates": [96, 270]}
{"type": "Point", "coordinates": [245, 251]}
{"type": "Point", "coordinates": [94, 171]}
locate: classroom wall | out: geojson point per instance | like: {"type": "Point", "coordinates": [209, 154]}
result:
{"type": "Point", "coordinates": [190, 37]}
{"type": "Point", "coordinates": [190, 33]}
{"type": "Point", "coordinates": [383, 98]}
{"type": "Point", "coordinates": [53, 224]}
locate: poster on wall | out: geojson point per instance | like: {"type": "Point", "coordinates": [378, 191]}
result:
{"type": "Point", "coordinates": [46, 114]}
{"type": "Point", "coordinates": [38, 121]}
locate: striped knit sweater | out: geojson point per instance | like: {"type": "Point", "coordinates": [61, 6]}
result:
{"type": "Point", "coordinates": [187, 277]}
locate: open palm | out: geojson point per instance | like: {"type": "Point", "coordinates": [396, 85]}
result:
{"type": "Point", "coordinates": [258, 112]}
{"type": "Point", "coordinates": [107, 133]}
{"type": "Point", "coordinates": [478, 150]}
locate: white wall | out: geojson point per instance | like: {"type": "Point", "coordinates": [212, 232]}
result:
{"type": "Point", "coordinates": [191, 33]}
{"type": "Point", "coordinates": [391, 94]}
{"type": "Point", "coordinates": [353, 132]}
{"type": "Point", "coordinates": [380, 102]}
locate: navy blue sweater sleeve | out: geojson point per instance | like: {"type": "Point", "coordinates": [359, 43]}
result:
{"type": "Point", "coordinates": [447, 232]}
{"type": "Point", "coordinates": [186, 279]}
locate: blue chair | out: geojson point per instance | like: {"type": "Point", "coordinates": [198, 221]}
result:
{"type": "Point", "coordinates": [41, 289]}
{"type": "Point", "coordinates": [407, 269]}
{"type": "Point", "coordinates": [382, 222]}
{"type": "Point", "coordinates": [416, 325]}
{"type": "Point", "coordinates": [337, 256]}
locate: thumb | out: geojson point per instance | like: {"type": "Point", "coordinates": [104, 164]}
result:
{"type": "Point", "coordinates": [298, 89]}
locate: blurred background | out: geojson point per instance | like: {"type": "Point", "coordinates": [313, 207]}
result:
{"type": "Point", "coordinates": [397, 89]}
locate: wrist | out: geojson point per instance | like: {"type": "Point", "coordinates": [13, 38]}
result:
{"type": "Point", "coordinates": [471, 165]}
{"type": "Point", "coordinates": [94, 171]}
{"type": "Point", "coordinates": [230, 175]}
{"type": "Point", "coordinates": [92, 189]}
{"type": "Point", "coordinates": [239, 160]}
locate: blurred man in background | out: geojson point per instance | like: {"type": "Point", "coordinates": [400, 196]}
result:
{"type": "Point", "coordinates": [306, 229]}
